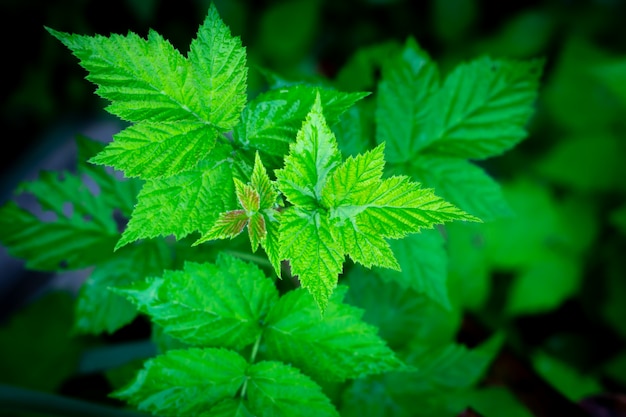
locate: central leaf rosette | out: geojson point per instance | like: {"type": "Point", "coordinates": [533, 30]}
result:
{"type": "Point", "coordinates": [341, 208]}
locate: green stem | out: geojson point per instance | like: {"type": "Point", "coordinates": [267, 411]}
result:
{"type": "Point", "coordinates": [16, 399]}
{"type": "Point", "coordinates": [255, 350]}
{"type": "Point", "coordinates": [250, 257]}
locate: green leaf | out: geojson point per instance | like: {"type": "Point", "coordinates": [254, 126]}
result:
{"type": "Point", "coordinates": [184, 383]}
{"type": "Point", "coordinates": [597, 158]}
{"type": "Point", "coordinates": [495, 401]}
{"type": "Point", "coordinates": [79, 233]}
{"type": "Point", "coordinates": [423, 265]}
{"type": "Point", "coordinates": [544, 285]}
{"type": "Point", "coordinates": [306, 239]}
{"type": "Point", "coordinates": [568, 380]}
{"type": "Point", "coordinates": [346, 208]}
{"type": "Point", "coordinates": [404, 102]}
{"type": "Point", "coordinates": [180, 105]}
{"type": "Point", "coordinates": [218, 65]}
{"type": "Point", "coordinates": [399, 313]}
{"type": "Point", "coordinates": [185, 203]}
{"type": "Point", "coordinates": [463, 184]}
{"type": "Point", "coordinates": [258, 200]}
{"type": "Point", "coordinates": [229, 408]}
{"type": "Point", "coordinates": [487, 105]}
{"type": "Point", "coordinates": [334, 347]}
{"type": "Point", "coordinates": [219, 304]}
{"type": "Point", "coordinates": [355, 129]}
{"type": "Point", "coordinates": [393, 207]}
{"type": "Point", "coordinates": [277, 389]}
{"type": "Point", "coordinates": [270, 122]}
{"type": "Point", "coordinates": [613, 76]}
{"type": "Point", "coordinates": [443, 376]}
{"type": "Point", "coordinates": [100, 310]}
{"type": "Point", "coordinates": [312, 157]}
{"type": "Point", "coordinates": [158, 149]}
{"type": "Point", "coordinates": [573, 97]}
{"type": "Point", "coordinates": [261, 182]}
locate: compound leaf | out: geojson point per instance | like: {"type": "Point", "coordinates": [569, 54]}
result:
{"type": "Point", "coordinates": [184, 383]}
{"type": "Point", "coordinates": [179, 105]}
{"type": "Point", "coordinates": [207, 304]}
{"type": "Point", "coordinates": [334, 347]}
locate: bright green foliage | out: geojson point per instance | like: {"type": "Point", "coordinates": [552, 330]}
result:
{"type": "Point", "coordinates": [219, 304]}
{"type": "Point", "coordinates": [179, 105]}
{"type": "Point", "coordinates": [346, 208]}
{"type": "Point", "coordinates": [186, 382]}
{"type": "Point", "coordinates": [184, 203]}
{"type": "Point", "coordinates": [270, 122]}
{"type": "Point", "coordinates": [258, 202]}
{"type": "Point", "coordinates": [205, 382]}
{"type": "Point", "coordinates": [119, 193]}
{"type": "Point", "coordinates": [232, 304]}
{"type": "Point", "coordinates": [276, 389]}
{"type": "Point", "coordinates": [314, 175]}
{"type": "Point", "coordinates": [478, 112]}
{"type": "Point", "coordinates": [336, 346]}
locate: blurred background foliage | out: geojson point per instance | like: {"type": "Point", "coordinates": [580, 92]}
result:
{"type": "Point", "coordinates": [552, 277]}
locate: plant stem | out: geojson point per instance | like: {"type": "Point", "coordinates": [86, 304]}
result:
{"type": "Point", "coordinates": [249, 257]}
{"type": "Point", "coordinates": [16, 399]}
{"type": "Point", "coordinates": [255, 350]}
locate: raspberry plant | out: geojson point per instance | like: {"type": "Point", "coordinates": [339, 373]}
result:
{"type": "Point", "coordinates": [344, 197]}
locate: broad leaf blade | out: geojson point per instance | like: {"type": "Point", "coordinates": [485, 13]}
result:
{"type": "Point", "coordinates": [270, 122]}
{"type": "Point", "coordinates": [183, 383]}
{"type": "Point", "coordinates": [306, 240]}
{"type": "Point", "coordinates": [485, 105]}
{"type": "Point", "coordinates": [218, 65]}
{"type": "Point", "coordinates": [219, 304]}
{"type": "Point", "coordinates": [463, 184]}
{"type": "Point", "coordinates": [279, 390]}
{"type": "Point", "coordinates": [311, 159]}
{"type": "Point", "coordinates": [423, 265]}
{"type": "Point", "coordinates": [404, 102]}
{"type": "Point", "coordinates": [334, 347]}
{"type": "Point", "coordinates": [188, 202]}
{"type": "Point", "coordinates": [158, 149]}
